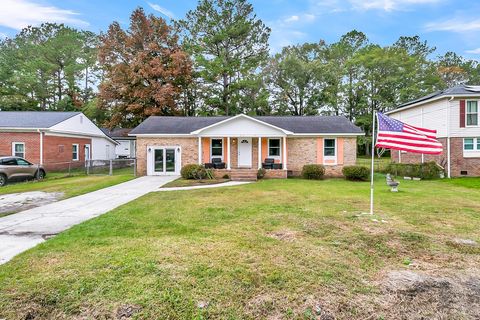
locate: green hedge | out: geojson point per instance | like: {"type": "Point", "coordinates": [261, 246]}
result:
{"type": "Point", "coordinates": [427, 170]}
{"type": "Point", "coordinates": [356, 173]}
{"type": "Point", "coordinates": [313, 171]}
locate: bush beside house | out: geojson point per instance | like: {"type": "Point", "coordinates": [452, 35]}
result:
{"type": "Point", "coordinates": [313, 171]}
{"type": "Point", "coordinates": [356, 173]}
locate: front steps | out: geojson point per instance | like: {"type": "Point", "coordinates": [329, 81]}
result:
{"type": "Point", "coordinates": [243, 174]}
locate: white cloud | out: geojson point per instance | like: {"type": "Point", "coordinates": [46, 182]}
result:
{"type": "Point", "coordinates": [292, 19]}
{"type": "Point", "coordinates": [18, 14]}
{"type": "Point", "coordinates": [162, 10]}
{"type": "Point", "coordinates": [454, 25]}
{"type": "Point", "coordinates": [474, 51]}
{"type": "Point", "coordinates": [2, 36]}
{"type": "Point", "coordinates": [388, 5]}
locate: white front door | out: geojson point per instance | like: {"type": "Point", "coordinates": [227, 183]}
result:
{"type": "Point", "coordinates": [163, 161]}
{"type": "Point", "coordinates": [245, 152]}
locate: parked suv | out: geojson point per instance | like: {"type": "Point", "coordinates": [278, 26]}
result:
{"type": "Point", "coordinates": [16, 168]}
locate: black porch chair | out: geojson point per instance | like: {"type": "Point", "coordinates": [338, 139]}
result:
{"type": "Point", "coordinates": [268, 164]}
{"type": "Point", "coordinates": [217, 163]}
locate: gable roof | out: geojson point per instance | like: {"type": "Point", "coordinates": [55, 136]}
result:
{"type": "Point", "coordinates": [117, 132]}
{"type": "Point", "coordinates": [33, 119]}
{"type": "Point", "coordinates": [295, 124]}
{"type": "Point", "coordinates": [461, 91]}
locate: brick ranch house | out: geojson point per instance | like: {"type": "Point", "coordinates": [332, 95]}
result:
{"type": "Point", "coordinates": [54, 139]}
{"type": "Point", "coordinates": [454, 113]}
{"type": "Point", "coordinates": [165, 144]}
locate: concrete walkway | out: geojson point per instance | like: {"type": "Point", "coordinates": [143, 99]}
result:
{"type": "Point", "coordinates": [216, 185]}
{"type": "Point", "coordinates": [24, 230]}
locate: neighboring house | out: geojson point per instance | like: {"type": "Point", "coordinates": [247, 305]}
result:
{"type": "Point", "coordinates": [126, 144]}
{"type": "Point", "coordinates": [55, 139]}
{"type": "Point", "coordinates": [454, 113]}
{"type": "Point", "coordinates": [165, 144]}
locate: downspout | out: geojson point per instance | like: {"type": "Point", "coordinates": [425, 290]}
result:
{"type": "Point", "coordinates": [448, 138]}
{"type": "Point", "coordinates": [41, 146]}
{"type": "Point", "coordinates": [421, 120]}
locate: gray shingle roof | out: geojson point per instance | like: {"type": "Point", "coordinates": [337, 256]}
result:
{"type": "Point", "coordinates": [461, 90]}
{"type": "Point", "coordinates": [117, 132]}
{"type": "Point", "coordinates": [299, 125]}
{"type": "Point", "coordinates": [33, 119]}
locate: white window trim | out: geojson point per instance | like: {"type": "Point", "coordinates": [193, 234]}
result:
{"type": "Point", "coordinates": [211, 149]}
{"type": "Point", "coordinates": [279, 157]}
{"type": "Point", "coordinates": [78, 151]}
{"type": "Point", "coordinates": [334, 158]}
{"type": "Point", "coordinates": [466, 113]}
{"type": "Point", "coordinates": [13, 148]}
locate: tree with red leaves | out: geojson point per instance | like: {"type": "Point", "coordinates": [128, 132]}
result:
{"type": "Point", "coordinates": [144, 70]}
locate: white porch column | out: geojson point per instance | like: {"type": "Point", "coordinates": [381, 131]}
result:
{"type": "Point", "coordinates": [284, 153]}
{"type": "Point", "coordinates": [229, 155]}
{"type": "Point", "coordinates": [260, 153]}
{"type": "Point", "coordinates": [199, 150]}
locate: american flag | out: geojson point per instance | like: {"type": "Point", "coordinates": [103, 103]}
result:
{"type": "Point", "coordinates": [394, 134]}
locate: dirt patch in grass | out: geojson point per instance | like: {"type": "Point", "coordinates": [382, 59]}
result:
{"type": "Point", "coordinates": [284, 235]}
{"type": "Point", "coordinates": [420, 295]}
{"type": "Point", "coordinates": [16, 202]}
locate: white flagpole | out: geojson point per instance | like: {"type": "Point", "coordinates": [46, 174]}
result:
{"type": "Point", "coordinates": [372, 163]}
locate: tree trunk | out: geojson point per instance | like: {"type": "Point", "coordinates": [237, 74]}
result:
{"type": "Point", "coordinates": [225, 94]}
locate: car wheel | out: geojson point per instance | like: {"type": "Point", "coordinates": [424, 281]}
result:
{"type": "Point", "coordinates": [40, 175]}
{"type": "Point", "coordinates": [3, 180]}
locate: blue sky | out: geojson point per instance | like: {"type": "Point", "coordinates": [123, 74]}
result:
{"type": "Point", "coordinates": [450, 25]}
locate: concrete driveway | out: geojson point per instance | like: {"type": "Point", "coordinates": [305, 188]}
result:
{"type": "Point", "coordinates": [24, 230]}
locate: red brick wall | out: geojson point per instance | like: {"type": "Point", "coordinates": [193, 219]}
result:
{"type": "Point", "coordinates": [457, 162]}
{"type": "Point", "coordinates": [57, 157]}
{"type": "Point", "coordinates": [53, 157]}
{"type": "Point", "coordinates": [31, 140]}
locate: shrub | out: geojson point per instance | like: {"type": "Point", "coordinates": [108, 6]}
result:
{"type": "Point", "coordinates": [261, 173]}
{"type": "Point", "coordinates": [313, 171]}
{"type": "Point", "coordinates": [356, 173]}
{"type": "Point", "coordinates": [193, 171]}
{"type": "Point", "coordinates": [226, 176]}
{"type": "Point", "coordinates": [427, 170]}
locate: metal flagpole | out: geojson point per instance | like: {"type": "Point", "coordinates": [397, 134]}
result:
{"type": "Point", "coordinates": [372, 163]}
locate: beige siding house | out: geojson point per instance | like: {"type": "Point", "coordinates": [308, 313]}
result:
{"type": "Point", "coordinates": [243, 144]}
{"type": "Point", "coordinates": [454, 113]}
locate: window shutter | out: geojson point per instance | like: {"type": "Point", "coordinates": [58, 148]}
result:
{"type": "Point", "coordinates": [462, 113]}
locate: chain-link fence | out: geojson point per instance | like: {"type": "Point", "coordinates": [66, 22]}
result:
{"type": "Point", "coordinates": [91, 167]}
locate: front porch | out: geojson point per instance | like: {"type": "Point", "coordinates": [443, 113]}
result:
{"type": "Point", "coordinates": [236, 153]}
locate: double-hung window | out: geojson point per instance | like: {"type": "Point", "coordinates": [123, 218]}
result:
{"type": "Point", "coordinates": [329, 148]}
{"type": "Point", "coordinates": [18, 149]}
{"type": "Point", "coordinates": [274, 148]}
{"type": "Point", "coordinates": [471, 144]}
{"type": "Point", "coordinates": [75, 155]}
{"type": "Point", "coordinates": [472, 113]}
{"type": "Point", "coordinates": [217, 148]}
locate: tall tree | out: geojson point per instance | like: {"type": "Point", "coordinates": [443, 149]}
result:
{"type": "Point", "coordinates": [144, 68]}
{"type": "Point", "coordinates": [296, 79]}
{"type": "Point", "coordinates": [46, 66]}
{"type": "Point", "coordinates": [228, 44]}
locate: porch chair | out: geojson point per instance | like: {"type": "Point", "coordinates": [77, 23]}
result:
{"type": "Point", "coordinates": [217, 163]}
{"type": "Point", "coordinates": [268, 164]}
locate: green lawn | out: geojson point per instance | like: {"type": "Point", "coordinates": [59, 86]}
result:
{"type": "Point", "coordinates": [71, 186]}
{"type": "Point", "coordinates": [180, 182]}
{"type": "Point", "coordinates": [276, 249]}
